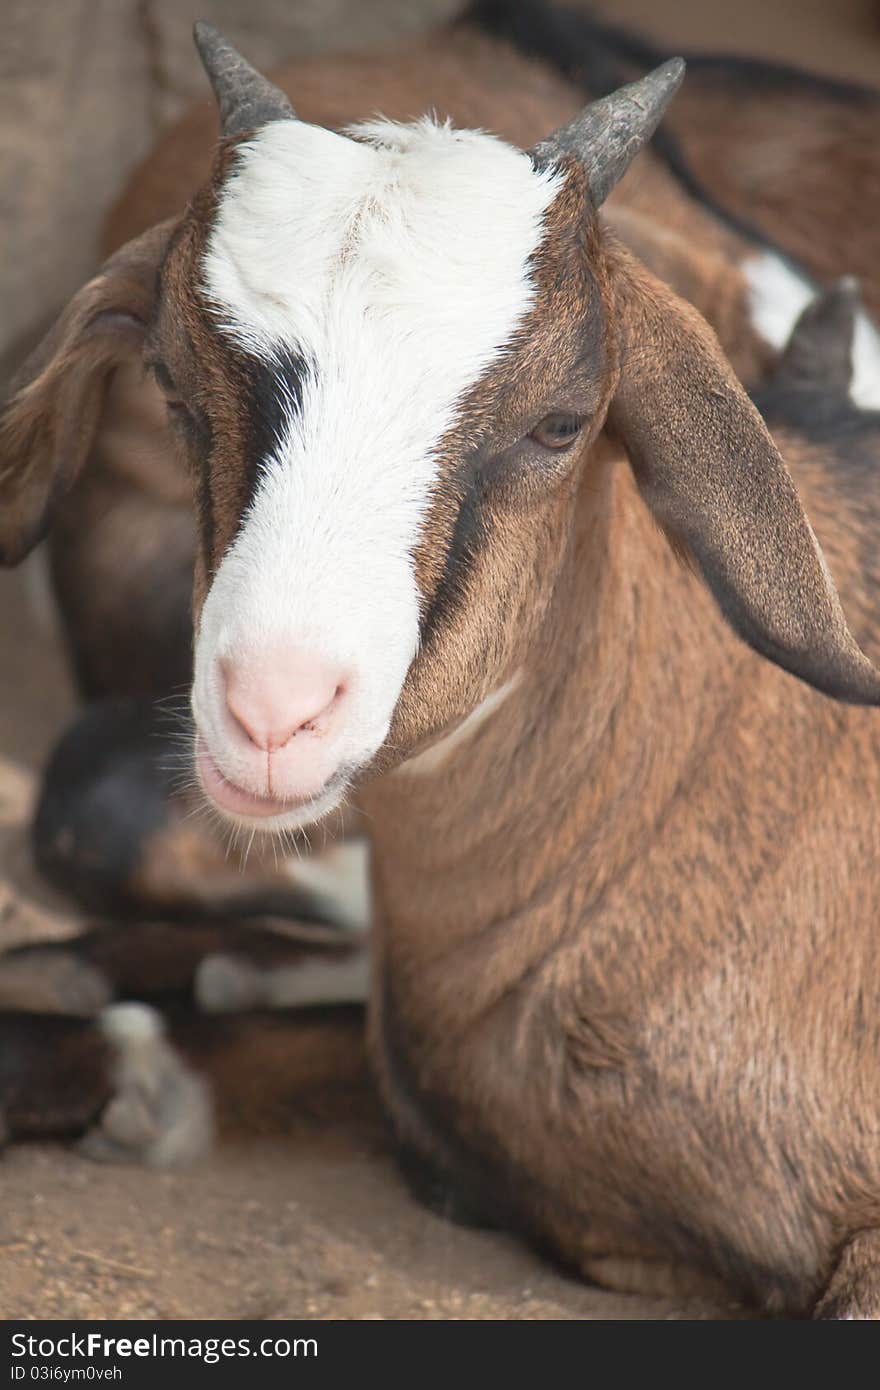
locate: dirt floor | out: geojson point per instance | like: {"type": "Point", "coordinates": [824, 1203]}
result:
{"type": "Point", "coordinates": [315, 1223]}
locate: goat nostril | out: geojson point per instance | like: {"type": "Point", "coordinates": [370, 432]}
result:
{"type": "Point", "coordinates": [274, 700]}
{"type": "Point", "coordinates": [309, 725]}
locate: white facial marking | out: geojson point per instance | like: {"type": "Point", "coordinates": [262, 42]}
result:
{"type": "Point", "coordinates": [439, 753]}
{"type": "Point", "coordinates": [397, 265]}
{"type": "Point", "coordinates": [779, 295]}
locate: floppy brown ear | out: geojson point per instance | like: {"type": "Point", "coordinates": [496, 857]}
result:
{"type": "Point", "coordinates": [49, 420]}
{"type": "Point", "coordinates": [711, 474]}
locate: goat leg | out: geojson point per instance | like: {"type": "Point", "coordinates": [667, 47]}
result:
{"type": "Point", "coordinates": [132, 1086]}
{"type": "Point", "coordinates": [115, 1079]}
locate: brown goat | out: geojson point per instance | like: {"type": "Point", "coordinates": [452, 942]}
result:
{"type": "Point", "coordinates": [626, 871]}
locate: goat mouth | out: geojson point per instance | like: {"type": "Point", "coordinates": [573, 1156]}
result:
{"type": "Point", "coordinates": [239, 802]}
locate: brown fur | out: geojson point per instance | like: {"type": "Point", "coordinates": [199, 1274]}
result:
{"type": "Point", "coordinates": [853, 1289]}
{"type": "Point", "coordinates": [650, 1026]}
{"type": "Point", "coordinates": [624, 988]}
{"type": "Point", "coordinates": [702, 268]}
{"type": "Point", "coordinates": [46, 429]}
{"type": "Point", "coordinates": [129, 516]}
{"type": "Point", "coordinates": [800, 165]}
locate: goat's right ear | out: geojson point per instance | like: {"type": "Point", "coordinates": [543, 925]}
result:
{"type": "Point", "coordinates": [49, 420]}
{"type": "Point", "coordinates": [708, 469]}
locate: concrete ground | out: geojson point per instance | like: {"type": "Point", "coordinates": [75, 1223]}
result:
{"type": "Point", "coordinates": [313, 1222]}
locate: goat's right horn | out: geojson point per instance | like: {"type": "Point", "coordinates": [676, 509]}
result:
{"type": "Point", "coordinates": [609, 133]}
{"type": "Point", "coordinates": [246, 99]}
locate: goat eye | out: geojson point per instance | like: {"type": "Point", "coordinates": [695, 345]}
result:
{"type": "Point", "coordinates": [164, 380]}
{"type": "Point", "coordinates": [557, 431]}
{"type": "Point", "coordinates": [178, 411]}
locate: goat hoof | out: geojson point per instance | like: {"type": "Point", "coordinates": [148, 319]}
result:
{"type": "Point", "coordinates": [52, 980]}
{"type": "Point", "coordinates": [161, 1113]}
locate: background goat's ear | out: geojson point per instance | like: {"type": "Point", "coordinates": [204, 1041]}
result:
{"type": "Point", "coordinates": [49, 420]}
{"type": "Point", "coordinates": [711, 474]}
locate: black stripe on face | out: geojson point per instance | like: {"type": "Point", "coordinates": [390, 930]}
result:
{"type": "Point", "coordinates": [468, 536]}
{"type": "Point", "coordinates": [272, 391]}
{"type": "Point", "coordinates": [266, 394]}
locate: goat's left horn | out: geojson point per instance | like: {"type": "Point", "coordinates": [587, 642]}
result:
{"type": "Point", "coordinates": [608, 134]}
{"type": "Point", "coordinates": [246, 99]}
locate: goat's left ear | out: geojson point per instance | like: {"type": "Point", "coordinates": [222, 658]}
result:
{"type": "Point", "coordinates": [711, 474]}
{"type": "Point", "coordinates": [48, 422]}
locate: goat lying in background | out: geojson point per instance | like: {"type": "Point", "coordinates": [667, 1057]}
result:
{"type": "Point", "coordinates": [625, 872]}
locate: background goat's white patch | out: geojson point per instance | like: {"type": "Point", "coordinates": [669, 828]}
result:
{"type": "Point", "coordinates": [397, 265]}
{"type": "Point", "coordinates": [229, 984]}
{"type": "Point", "coordinates": [339, 878]}
{"type": "Point", "coordinates": [779, 294]}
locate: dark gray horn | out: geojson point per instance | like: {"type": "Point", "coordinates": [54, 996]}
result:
{"type": "Point", "coordinates": [246, 99]}
{"type": "Point", "coordinates": [608, 134]}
